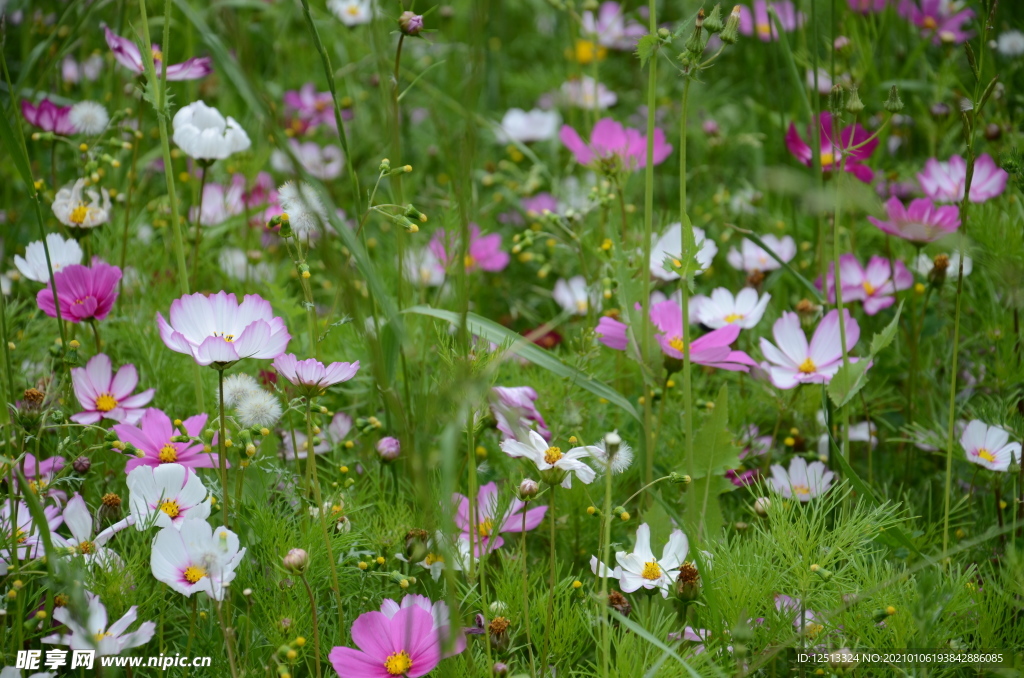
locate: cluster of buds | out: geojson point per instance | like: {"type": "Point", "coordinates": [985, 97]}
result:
{"type": "Point", "coordinates": [368, 424]}
{"type": "Point", "coordinates": [704, 27]}
{"type": "Point", "coordinates": [287, 654]}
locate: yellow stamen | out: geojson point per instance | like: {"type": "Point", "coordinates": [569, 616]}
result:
{"type": "Point", "coordinates": [651, 571]}
{"type": "Point", "coordinates": [764, 29]}
{"type": "Point", "coordinates": [827, 158]}
{"type": "Point", "coordinates": [79, 214]}
{"type": "Point", "coordinates": [808, 366]}
{"type": "Point", "coordinates": [469, 261]}
{"type": "Point", "coordinates": [101, 635]}
{"type": "Point", "coordinates": [353, 10]}
{"type": "Point", "coordinates": [930, 23]}
{"type": "Point", "coordinates": [986, 455]}
{"type": "Point", "coordinates": [733, 317]}
{"type": "Point", "coordinates": [581, 306]}
{"type": "Point", "coordinates": [85, 547]}
{"type": "Point", "coordinates": [552, 455]}
{"type": "Point", "coordinates": [801, 490]}
{"type": "Point", "coordinates": [194, 573]}
{"type": "Point", "coordinates": [171, 508]}
{"type": "Point", "coordinates": [158, 55]}
{"type": "Point", "coordinates": [226, 337]}
{"type": "Point", "coordinates": [398, 664]}
{"type": "Point", "coordinates": [868, 287]}
{"type": "Point", "coordinates": [433, 558]}
{"type": "Point", "coordinates": [106, 402]}
{"type": "Point", "coordinates": [485, 527]}
{"type": "Point", "coordinates": [168, 454]}
{"type": "Point", "coordinates": [677, 344]}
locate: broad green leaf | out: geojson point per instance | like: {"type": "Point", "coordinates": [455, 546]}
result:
{"type": "Point", "coordinates": [851, 378]}
{"type": "Point", "coordinates": [646, 48]}
{"type": "Point", "coordinates": [492, 331]}
{"type": "Point", "coordinates": [882, 339]}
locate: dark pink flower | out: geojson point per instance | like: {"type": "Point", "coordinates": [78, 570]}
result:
{"type": "Point", "coordinates": [943, 20]}
{"type": "Point", "coordinates": [128, 55]}
{"type": "Point", "coordinates": [152, 438]}
{"type": "Point", "coordinates": [104, 395]}
{"type": "Point", "coordinates": [761, 25]}
{"type": "Point", "coordinates": [405, 644]}
{"type": "Point", "coordinates": [874, 285]}
{"type": "Point", "coordinates": [920, 223]}
{"type": "Point", "coordinates": [489, 524]}
{"type": "Point", "coordinates": [484, 253]}
{"type": "Point", "coordinates": [610, 141]}
{"type": "Point", "coordinates": [311, 108]}
{"type": "Point", "coordinates": [48, 117]}
{"type": "Point", "coordinates": [83, 292]}
{"type": "Point", "coordinates": [831, 152]}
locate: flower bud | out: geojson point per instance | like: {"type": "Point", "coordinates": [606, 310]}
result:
{"type": "Point", "coordinates": [296, 561]}
{"type": "Point", "coordinates": [893, 104]}
{"type": "Point", "coordinates": [821, 572]}
{"type": "Point", "coordinates": [761, 506]}
{"type": "Point", "coordinates": [688, 583]}
{"type": "Point", "coordinates": [731, 33]}
{"type": "Point", "coordinates": [854, 104]}
{"type": "Point", "coordinates": [82, 464]}
{"type": "Point", "coordinates": [713, 23]}
{"type": "Point", "coordinates": [416, 545]}
{"type": "Point", "coordinates": [389, 448]}
{"type": "Point", "coordinates": [528, 489]}
{"type": "Point", "coordinates": [410, 23]}
{"type": "Point", "coordinates": [499, 669]}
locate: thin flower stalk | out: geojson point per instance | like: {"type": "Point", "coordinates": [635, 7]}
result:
{"type": "Point", "coordinates": [311, 462]}
{"type": "Point", "coordinates": [645, 330]}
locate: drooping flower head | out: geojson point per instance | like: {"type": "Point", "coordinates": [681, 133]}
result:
{"type": "Point", "coordinates": [404, 644]}
{"type": "Point", "coordinates": [874, 285]}
{"type": "Point", "coordinates": [152, 438]}
{"type": "Point", "coordinates": [613, 147]}
{"type": "Point", "coordinates": [833, 151]}
{"type": "Point", "coordinates": [202, 133]}
{"type": "Point", "coordinates": [921, 222]}
{"type": "Point", "coordinates": [942, 20]}
{"type": "Point", "coordinates": [128, 55]}
{"type": "Point", "coordinates": [515, 410]}
{"type": "Point", "coordinates": [611, 27]}
{"type": "Point", "coordinates": [48, 117]}
{"type": "Point", "coordinates": [945, 181]}
{"type": "Point", "coordinates": [216, 329]}
{"type": "Point", "coordinates": [311, 374]}
{"type": "Point", "coordinates": [104, 395]}
{"type": "Point", "coordinates": [490, 522]}
{"type": "Point", "coordinates": [83, 292]}
{"type": "Point", "coordinates": [554, 465]}
{"type": "Point", "coordinates": [62, 253]}
{"type": "Point", "coordinates": [166, 495]}
{"type": "Point", "coordinates": [641, 569]}
{"type": "Point", "coordinates": [759, 23]}
{"type": "Point", "coordinates": [484, 252]}
{"type": "Point", "coordinates": [989, 446]}
{"type": "Point", "coordinates": [194, 557]}
{"type": "Point", "coordinates": [72, 208]}
{"type": "Point", "coordinates": [794, 362]}
{"type": "Point", "coordinates": [802, 481]}
{"type": "Point", "coordinates": [93, 633]}
{"type": "Point", "coordinates": [753, 258]}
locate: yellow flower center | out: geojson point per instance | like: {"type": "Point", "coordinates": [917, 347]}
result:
{"type": "Point", "coordinates": [398, 664]}
{"type": "Point", "coordinates": [651, 571]}
{"type": "Point", "coordinates": [733, 317]}
{"type": "Point", "coordinates": [827, 158]}
{"type": "Point", "coordinates": [353, 10]}
{"type": "Point", "coordinates": [586, 51]}
{"type": "Point", "coordinates": [677, 344]}
{"type": "Point", "coordinates": [813, 629]}
{"type": "Point", "coordinates": [158, 55]}
{"type": "Point", "coordinates": [171, 508]}
{"type": "Point", "coordinates": [85, 547]}
{"type": "Point", "coordinates": [868, 287]}
{"type": "Point", "coordinates": [986, 455]}
{"type": "Point", "coordinates": [433, 558]}
{"type": "Point", "coordinates": [764, 29]}
{"type": "Point", "coordinates": [469, 261]}
{"type": "Point", "coordinates": [808, 366]}
{"type": "Point", "coordinates": [168, 454]}
{"type": "Point", "coordinates": [802, 490]}
{"type": "Point", "coordinates": [226, 337]}
{"type": "Point", "coordinates": [79, 214]}
{"type": "Point", "coordinates": [930, 23]}
{"type": "Point", "coordinates": [486, 527]}
{"type": "Point", "coordinates": [20, 537]}
{"type": "Point", "coordinates": [581, 306]}
{"type": "Point", "coordinates": [194, 573]}
{"type": "Point", "coordinates": [106, 402]}
{"type": "Point", "coordinates": [552, 455]}
{"type": "Point", "coordinates": [101, 635]}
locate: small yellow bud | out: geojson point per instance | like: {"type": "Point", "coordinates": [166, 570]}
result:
{"type": "Point", "coordinates": [381, 560]}
{"type": "Point", "coordinates": [343, 469]}
{"type": "Point", "coordinates": [349, 444]}
{"type": "Point", "coordinates": [407, 168]}
{"type": "Point", "coordinates": [790, 441]}
{"type": "Point", "coordinates": [300, 641]}
{"type": "Point", "coordinates": [291, 655]}
{"type": "Point", "coordinates": [577, 584]}
{"type": "Point", "coordinates": [890, 610]}
{"type": "Point", "coordinates": [624, 516]}
{"type": "Point", "coordinates": [305, 275]}
{"type": "Point", "coordinates": [41, 614]}
{"type": "Point", "coordinates": [74, 343]}
{"type": "Point", "coordinates": [591, 510]}
{"type": "Point", "coordinates": [573, 440]}
{"type": "Point", "coordinates": [362, 565]}
{"type": "Point", "coordinates": [264, 431]}
{"type": "Point", "coordinates": [83, 147]}
{"type": "Point", "coordinates": [794, 431]}
{"type": "Point", "coordinates": [481, 451]}
{"type": "Point", "coordinates": [229, 443]}
{"type": "Point", "coordinates": [919, 288]}
{"type": "Point", "coordinates": [404, 583]}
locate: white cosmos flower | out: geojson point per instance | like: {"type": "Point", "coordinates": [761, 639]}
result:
{"type": "Point", "coordinates": [989, 446]}
{"type": "Point", "coordinates": [352, 12]}
{"type": "Point", "coordinates": [668, 247]}
{"type": "Point", "coordinates": [441, 552]}
{"type": "Point", "coordinates": [924, 265]}
{"type": "Point", "coordinates": [322, 162]}
{"type": "Point", "coordinates": [640, 569]}
{"type": "Point", "coordinates": [166, 495]}
{"type": "Point", "coordinates": [202, 133]}
{"type": "Point", "coordinates": [71, 208]}
{"type": "Point", "coordinates": [89, 118]}
{"type": "Point", "coordinates": [258, 408]}
{"type": "Point", "coordinates": [553, 464]}
{"type": "Point", "coordinates": [1010, 44]}
{"type": "Point", "coordinates": [527, 126]}
{"type": "Point", "coordinates": [303, 206]}
{"type": "Point", "coordinates": [62, 253]}
{"type": "Point", "coordinates": [574, 297]}
{"type": "Point", "coordinates": [722, 308]}
{"type": "Point", "coordinates": [92, 633]}
{"type": "Point", "coordinates": [79, 521]}
{"type": "Point", "coordinates": [589, 94]}
{"type": "Point", "coordinates": [802, 481]}
{"type": "Point", "coordinates": [423, 267]}
{"type": "Point", "coordinates": [196, 557]}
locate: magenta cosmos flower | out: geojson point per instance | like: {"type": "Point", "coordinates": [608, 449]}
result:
{"type": "Point", "coordinates": [875, 285]}
{"type": "Point", "coordinates": [920, 223]}
{"type": "Point", "coordinates": [793, 362]}
{"type": "Point", "coordinates": [489, 524]}
{"type": "Point", "coordinates": [945, 181]}
{"type": "Point", "coordinates": [39, 473]}
{"type": "Point", "coordinates": [128, 55]}
{"type": "Point", "coordinates": [943, 20]}
{"type": "Point", "coordinates": [404, 644]}
{"type": "Point", "coordinates": [48, 117]}
{"type": "Point", "coordinates": [451, 643]}
{"type": "Point", "coordinates": [311, 108]}
{"type": "Point", "coordinates": [83, 292]}
{"type": "Point", "coordinates": [831, 152]}
{"type": "Point", "coordinates": [611, 142]}
{"type": "Point", "coordinates": [107, 396]}
{"type": "Point", "coordinates": [218, 330]}
{"type": "Point", "coordinates": [713, 349]}
{"type": "Point", "coordinates": [311, 374]}
{"type": "Point", "coordinates": [152, 438]}
{"type": "Point", "coordinates": [484, 253]}
{"type": "Point", "coordinates": [761, 25]}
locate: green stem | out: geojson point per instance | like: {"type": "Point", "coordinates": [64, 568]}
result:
{"type": "Point", "coordinates": [222, 450]}
{"type": "Point", "coordinates": [686, 237]}
{"type": "Point", "coordinates": [606, 529]}
{"type": "Point", "coordinates": [549, 626]}
{"type": "Point", "coordinates": [526, 595]}
{"type": "Point", "coordinates": [645, 334]}
{"type": "Point", "coordinates": [311, 456]}
{"type": "Point", "coordinates": [316, 625]}
{"type": "Point", "coordinates": [199, 224]}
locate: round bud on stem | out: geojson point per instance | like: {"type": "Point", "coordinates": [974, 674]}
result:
{"type": "Point", "coordinates": [296, 561]}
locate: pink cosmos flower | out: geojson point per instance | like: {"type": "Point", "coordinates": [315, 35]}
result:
{"type": "Point", "coordinates": [335, 433]}
{"type": "Point", "coordinates": [312, 374]}
{"type": "Point", "coordinates": [868, 6]}
{"type": "Point", "coordinates": [152, 437]}
{"type": "Point", "coordinates": [442, 620]}
{"type": "Point", "coordinates": [809, 625]}
{"type": "Point", "coordinates": [920, 223]}
{"type": "Point", "coordinates": [537, 204]}
{"type": "Point", "coordinates": [490, 525]}
{"type": "Point", "coordinates": [612, 333]}
{"type": "Point", "coordinates": [831, 152]}
{"type": "Point", "coordinates": [761, 25]}
{"type": "Point", "coordinates": [802, 481]}
{"type": "Point", "coordinates": [610, 141]}
{"type": "Point", "coordinates": [220, 202]}
{"type": "Point", "coordinates": [611, 28]}
{"type": "Point", "coordinates": [874, 285]}
{"type": "Point", "coordinates": [48, 117]}
{"type": "Point", "coordinates": [793, 362]}
{"type": "Point", "coordinates": [944, 181]}
{"type": "Point", "coordinates": [404, 644]}
{"type": "Point", "coordinates": [16, 519]}
{"type": "Point", "coordinates": [104, 396]}
{"type": "Point", "coordinates": [754, 446]}
{"type": "Point", "coordinates": [484, 253]}
{"type": "Point", "coordinates": [943, 20]}
{"type": "Point", "coordinates": [128, 55]}
{"type": "Point", "coordinates": [217, 329]}
{"type": "Point", "coordinates": [989, 446]}
{"type": "Point", "coordinates": [515, 411]}
{"type": "Point", "coordinates": [311, 108]}
{"type": "Point", "coordinates": [40, 473]}
{"type": "Point", "coordinates": [83, 292]}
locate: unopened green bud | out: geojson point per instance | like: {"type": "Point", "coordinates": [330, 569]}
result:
{"type": "Point", "coordinates": [731, 33]}
{"type": "Point", "coordinates": [893, 104]}
{"type": "Point", "coordinates": [853, 103]}
{"type": "Point", "coordinates": [713, 23]}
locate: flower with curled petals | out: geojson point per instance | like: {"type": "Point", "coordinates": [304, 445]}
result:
{"type": "Point", "coordinates": [128, 55]}
{"type": "Point", "coordinates": [554, 465]}
{"type": "Point", "coordinates": [312, 375]}
{"type": "Point", "coordinates": [202, 133]}
{"type": "Point", "coordinates": [217, 330]}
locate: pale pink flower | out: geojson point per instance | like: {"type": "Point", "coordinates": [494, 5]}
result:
{"type": "Point", "coordinates": [625, 147]}
{"type": "Point", "coordinates": [313, 375]}
{"type": "Point", "coordinates": [752, 257]}
{"type": "Point", "coordinates": [794, 362]}
{"type": "Point", "coordinates": [802, 481]}
{"type": "Point", "coordinates": [945, 181]}
{"type": "Point", "coordinates": [989, 446]}
{"type": "Point", "coordinates": [920, 223]}
{"type": "Point", "coordinates": [515, 411]}
{"type": "Point", "coordinates": [875, 285]}
{"type": "Point", "coordinates": [95, 635]}
{"type": "Point", "coordinates": [943, 20]}
{"type": "Point", "coordinates": [611, 28]}
{"type": "Point", "coordinates": [760, 24]}
{"type": "Point", "coordinates": [128, 55]}
{"type": "Point", "coordinates": [489, 524]}
{"type": "Point", "coordinates": [484, 252]}
{"type": "Point", "coordinates": [107, 396]}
